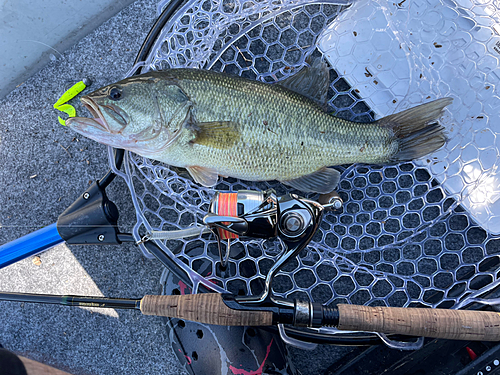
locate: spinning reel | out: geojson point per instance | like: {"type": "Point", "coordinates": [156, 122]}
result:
{"type": "Point", "coordinates": [292, 219]}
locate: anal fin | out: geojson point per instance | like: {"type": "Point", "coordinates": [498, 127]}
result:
{"type": "Point", "coordinates": [204, 176]}
{"type": "Point", "coordinates": [322, 181]}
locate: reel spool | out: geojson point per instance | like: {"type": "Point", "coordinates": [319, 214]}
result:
{"type": "Point", "coordinates": [242, 204]}
{"type": "Point", "coordinates": [408, 234]}
{"type": "Point", "coordinates": [258, 208]}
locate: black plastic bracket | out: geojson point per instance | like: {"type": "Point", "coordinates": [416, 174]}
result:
{"type": "Point", "coordinates": [91, 219]}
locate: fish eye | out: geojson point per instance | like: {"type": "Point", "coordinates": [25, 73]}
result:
{"type": "Point", "coordinates": [115, 93]}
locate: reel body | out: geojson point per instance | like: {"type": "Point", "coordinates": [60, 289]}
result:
{"type": "Point", "coordinates": [292, 219]}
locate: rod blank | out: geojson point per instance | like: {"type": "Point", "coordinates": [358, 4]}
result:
{"type": "Point", "coordinates": [104, 302]}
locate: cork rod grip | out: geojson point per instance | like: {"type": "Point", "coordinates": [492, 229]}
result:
{"type": "Point", "coordinates": [437, 323]}
{"type": "Point", "coordinates": [204, 308]}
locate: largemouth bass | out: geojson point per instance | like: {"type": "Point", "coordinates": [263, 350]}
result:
{"type": "Point", "coordinates": [217, 124]}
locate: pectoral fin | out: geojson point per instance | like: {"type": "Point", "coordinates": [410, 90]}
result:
{"type": "Point", "coordinates": [323, 181]}
{"type": "Point", "coordinates": [204, 176]}
{"type": "Point", "coordinates": [217, 134]}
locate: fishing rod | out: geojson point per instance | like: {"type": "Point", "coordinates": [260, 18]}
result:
{"type": "Point", "coordinates": [224, 309]}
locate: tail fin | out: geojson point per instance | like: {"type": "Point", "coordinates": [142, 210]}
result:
{"type": "Point", "coordinates": [416, 129]}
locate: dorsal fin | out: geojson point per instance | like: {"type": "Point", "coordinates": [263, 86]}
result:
{"type": "Point", "coordinates": [311, 81]}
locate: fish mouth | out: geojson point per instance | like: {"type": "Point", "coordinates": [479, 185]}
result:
{"type": "Point", "coordinates": [94, 110]}
{"type": "Point", "coordinates": [98, 122]}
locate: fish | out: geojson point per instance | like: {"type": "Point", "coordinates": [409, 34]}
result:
{"type": "Point", "coordinates": [216, 124]}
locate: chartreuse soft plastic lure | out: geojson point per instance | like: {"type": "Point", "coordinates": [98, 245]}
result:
{"type": "Point", "coordinates": [67, 96]}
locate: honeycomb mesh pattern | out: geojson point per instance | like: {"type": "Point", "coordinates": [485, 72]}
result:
{"type": "Point", "coordinates": [400, 239]}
